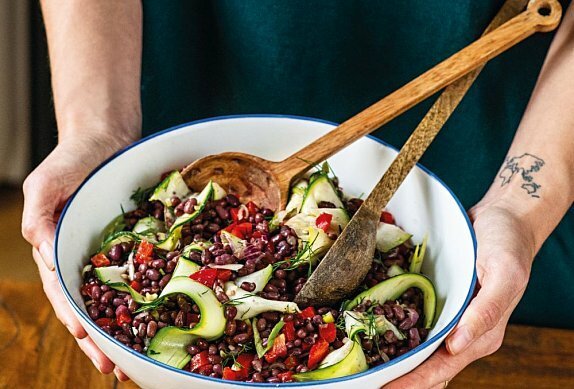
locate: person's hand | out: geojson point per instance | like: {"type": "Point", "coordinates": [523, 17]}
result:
{"type": "Point", "coordinates": [46, 190]}
{"type": "Point", "coordinates": [505, 254]}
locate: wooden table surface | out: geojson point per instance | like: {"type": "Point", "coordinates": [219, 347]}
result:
{"type": "Point", "coordinates": [37, 352]}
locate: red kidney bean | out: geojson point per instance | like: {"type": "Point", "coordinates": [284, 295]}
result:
{"type": "Point", "coordinates": [202, 344]}
{"type": "Point", "coordinates": [271, 316]}
{"type": "Point", "coordinates": [152, 274]}
{"type": "Point", "coordinates": [151, 329]}
{"type": "Point", "coordinates": [230, 312]}
{"type": "Point", "coordinates": [222, 212]}
{"type": "Point", "coordinates": [164, 280]}
{"type": "Point", "coordinates": [142, 330]}
{"type": "Point", "coordinates": [93, 312]}
{"type": "Point", "coordinates": [193, 349]}
{"type": "Point", "coordinates": [95, 292]}
{"type": "Point", "coordinates": [107, 297]}
{"type": "Point", "coordinates": [390, 336]}
{"type": "Point", "coordinates": [189, 206]}
{"type": "Point", "coordinates": [398, 312]}
{"type": "Point", "coordinates": [230, 328]}
{"type": "Point", "coordinates": [115, 253]}
{"type": "Point", "coordinates": [232, 200]}
{"type": "Point", "coordinates": [158, 263]}
{"type": "Point", "coordinates": [248, 286]}
{"type": "Point", "coordinates": [261, 324]}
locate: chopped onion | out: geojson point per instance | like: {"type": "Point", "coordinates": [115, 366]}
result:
{"type": "Point", "coordinates": [131, 266]}
{"type": "Point", "coordinates": [242, 213]}
{"type": "Point", "coordinates": [232, 266]}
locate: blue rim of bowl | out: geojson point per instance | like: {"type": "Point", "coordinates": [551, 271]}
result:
{"type": "Point", "coordinates": [373, 370]}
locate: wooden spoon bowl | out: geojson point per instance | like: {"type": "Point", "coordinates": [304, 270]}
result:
{"type": "Point", "coordinates": [246, 175]}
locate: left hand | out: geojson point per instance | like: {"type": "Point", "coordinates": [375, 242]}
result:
{"type": "Point", "coordinates": [505, 255]}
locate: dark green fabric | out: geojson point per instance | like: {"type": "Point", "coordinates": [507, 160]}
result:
{"type": "Point", "coordinates": [330, 59]}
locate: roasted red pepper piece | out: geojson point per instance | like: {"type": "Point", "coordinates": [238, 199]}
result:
{"type": "Point", "coordinates": [243, 230]}
{"type": "Point", "coordinates": [240, 369]}
{"type": "Point", "coordinates": [104, 321]}
{"type": "Point", "coordinates": [307, 313]}
{"type": "Point", "coordinates": [100, 260]}
{"type": "Point", "coordinates": [289, 331]}
{"type": "Point", "coordinates": [387, 217]}
{"type": "Point", "coordinates": [252, 208]}
{"type": "Point", "coordinates": [230, 374]}
{"type": "Point", "coordinates": [328, 331]}
{"type": "Point", "coordinates": [234, 214]}
{"type": "Point", "coordinates": [324, 221]}
{"type": "Point", "coordinates": [205, 276]}
{"type": "Point", "coordinates": [199, 360]}
{"type": "Point", "coordinates": [291, 362]}
{"type": "Point", "coordinates": [136, 285]}
{"type": "Point", "coordinates": [223, 274]}
{"type": "Point", "coordinates": [286, 377]}
{"type": "Point", "coordinates": [123, 318]}
{"type": "Point", "coordinates": [144, 252]}
{"type": "Point", "coordinates": [317, 353]}
{"type": "Point", "coordinates": [279, 349]}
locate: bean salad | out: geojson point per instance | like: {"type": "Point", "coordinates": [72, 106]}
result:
{"type": "Point", "coordinates": [217, 277]}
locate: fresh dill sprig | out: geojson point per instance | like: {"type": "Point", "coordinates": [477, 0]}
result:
{"type": "Point", "coordinates": [300, 259]}
{"type": "Point", "coordinates": [236, 301]}
{"type": "Point", "coordinates": [140, 196]}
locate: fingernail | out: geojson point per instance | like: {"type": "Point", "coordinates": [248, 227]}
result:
{"type": "Point", "coordinates": [96, 364]}
{"type": "Point", "coordinates": [47, 252]}
{"type": "Point", "coordinates": [459, 341]}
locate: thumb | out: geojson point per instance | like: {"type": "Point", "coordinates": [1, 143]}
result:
{"type": "Point", "coordinates": [38, 224]}
{"type": "Point", "coordinates": [499, 293]}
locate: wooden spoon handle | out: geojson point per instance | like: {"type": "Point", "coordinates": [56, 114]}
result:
{"type": "Point", "coordinates": [430, 126]}
{"type": "Point", "coordinates": [540, 15]}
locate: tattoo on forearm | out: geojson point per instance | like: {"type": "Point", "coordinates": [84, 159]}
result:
{"type": "Point", "coordinates": [524, 167]}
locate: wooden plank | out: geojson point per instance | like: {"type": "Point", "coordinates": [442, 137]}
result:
{"type": "Point", "coordinates": [37, 352]}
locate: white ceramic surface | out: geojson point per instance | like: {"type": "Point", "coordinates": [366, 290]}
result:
{"type": "Point", "coordinates": [422, 204]}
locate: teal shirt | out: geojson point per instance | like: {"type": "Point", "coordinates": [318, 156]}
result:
{"type": "Point", "coordinates": [330, 60]}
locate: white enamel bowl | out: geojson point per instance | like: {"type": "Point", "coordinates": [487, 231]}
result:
{"type": "Point", "coordinates": [422, 205]}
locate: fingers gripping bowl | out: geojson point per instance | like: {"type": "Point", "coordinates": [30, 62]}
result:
{"type": "Point", "coordinates": [422, 205]}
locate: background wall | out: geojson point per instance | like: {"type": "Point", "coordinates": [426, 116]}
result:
{"type": "Point", "coordinates": [14, 90]}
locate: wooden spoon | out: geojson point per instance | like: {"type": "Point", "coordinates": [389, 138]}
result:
{"type": "Point", "coordinates": [349, 259]}
{"type": "Point", "coordinates": [267, 182]}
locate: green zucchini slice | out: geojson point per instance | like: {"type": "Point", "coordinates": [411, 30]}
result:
{"type": "Point", "coordinates": [172, 185]}
{"type": "Point", "coordinates": [204, 196]}
{"type": "Point", "coordinates": [168, 346]}
{"type": "Point", "coordinates": [112, 277]}
{"type": "Point", "coordinates": [347, 360]}
{"type": "Point", "coordinates": [185, 268]}
{"type": "Point", "coordinates": [117, 238]}
{"type": "Point", "coordinates": [393, 288]}
{"type": "Point", "coordinates": [370, 325]}
{"type": "Point", "coordinates": [320, 189]}
{"type": "Point", "coordinates": [418, 256]}
{"type": "Point", "coordinates": [261, 350]}
{"type": "Point", "coordinates": [390, 236]}
{"type": "Point", "coordinates": [260, 278]}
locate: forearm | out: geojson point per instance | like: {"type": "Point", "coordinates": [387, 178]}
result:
{"type": "Point", "coordinates": [536, 181]}
{"type": "Point", "coordinates": [95, 57]}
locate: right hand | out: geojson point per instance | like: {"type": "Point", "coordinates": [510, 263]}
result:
{"type": "Point", "coordinates": [46, 191]}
